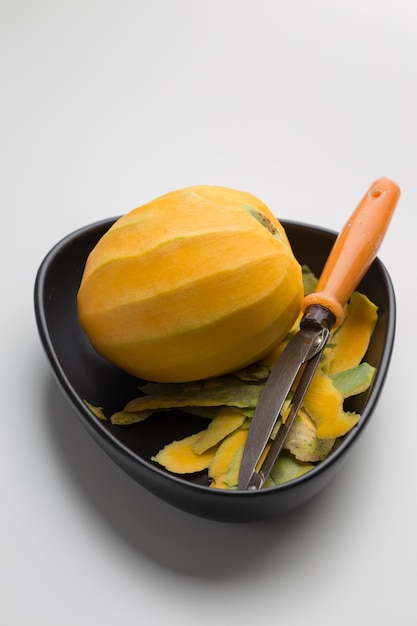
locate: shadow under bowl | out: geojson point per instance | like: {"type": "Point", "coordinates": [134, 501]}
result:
{"type": "Point", "coordinates": [83, 375]}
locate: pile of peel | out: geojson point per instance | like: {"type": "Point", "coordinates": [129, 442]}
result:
{"type": "Point", "coordinates": [228, 402]}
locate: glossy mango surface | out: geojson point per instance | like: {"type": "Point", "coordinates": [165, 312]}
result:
{"type": "Point", "coordinates": [194, 284]}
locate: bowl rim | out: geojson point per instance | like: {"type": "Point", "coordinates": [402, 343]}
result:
{"type": "Point", "coordinates": [110, 441]}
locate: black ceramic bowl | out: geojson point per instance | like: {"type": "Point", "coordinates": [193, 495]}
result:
{"type": "Point", "coordinates": [82, 374]}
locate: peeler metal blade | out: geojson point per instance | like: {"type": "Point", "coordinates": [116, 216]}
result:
{"type": "Point", "coordinates": [304, 349]}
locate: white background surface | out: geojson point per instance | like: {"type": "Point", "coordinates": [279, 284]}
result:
{"type": "Point", "coordinates": [105, 105]}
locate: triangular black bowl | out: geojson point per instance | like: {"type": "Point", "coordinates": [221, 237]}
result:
{"type": "Point", "coordinates": [83, 375]}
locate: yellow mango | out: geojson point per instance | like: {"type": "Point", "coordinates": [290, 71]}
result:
{"type": "Point", "coordinates": [197, 283]}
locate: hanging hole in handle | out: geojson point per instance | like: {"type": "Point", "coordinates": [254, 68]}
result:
{"type": "Point", "coordinates": [376, 193]}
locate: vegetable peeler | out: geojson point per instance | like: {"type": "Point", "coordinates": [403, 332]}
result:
{"type": "Point", "coordinates": [353, 252]}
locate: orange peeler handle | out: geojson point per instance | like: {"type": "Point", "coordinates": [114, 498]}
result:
{"type": "Point", "coordinates": [355, 248]}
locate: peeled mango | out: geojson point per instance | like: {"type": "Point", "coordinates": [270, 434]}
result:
{"type": "Point", "coordinates": [197, 283]}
